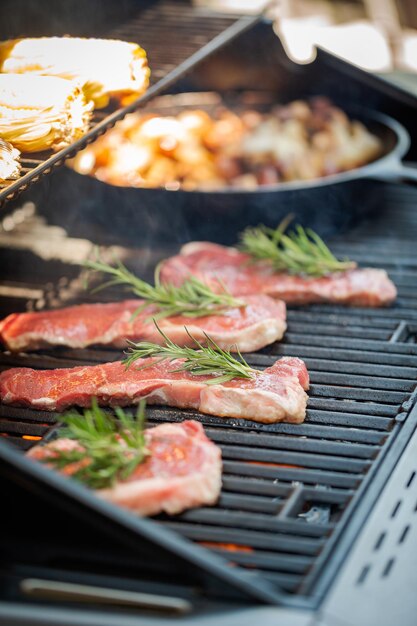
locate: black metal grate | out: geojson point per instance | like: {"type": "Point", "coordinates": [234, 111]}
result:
{"type": "Point", "coordinates": [188, 33]}
{"type": "Point", "coordinates": [182, 28]}
{"type": "Point", "coordinates": [289, 491]}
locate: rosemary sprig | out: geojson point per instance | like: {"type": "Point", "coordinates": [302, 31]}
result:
{"type": "Point", "coordinates": [208, 360]}
{"type": "Point", "coordinates": [192, 299]}
{"type": "Point", "coordinates": [108, 450]}
{"type": "Point", "coordinates": [301, 251]}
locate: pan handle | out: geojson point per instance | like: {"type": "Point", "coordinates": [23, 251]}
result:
{"type": "Point", "coordinates": [399, 173]}
{"type": "Point", "coordinates": [408, 172]}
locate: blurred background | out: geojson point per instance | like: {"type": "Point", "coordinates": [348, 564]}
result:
{"type": "Point", "coordinates": [378, 35]}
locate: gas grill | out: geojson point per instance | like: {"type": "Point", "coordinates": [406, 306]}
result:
{"type": "Point", "coordinates": [316, 522]}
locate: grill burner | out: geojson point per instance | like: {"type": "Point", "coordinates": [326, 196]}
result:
{"type": "Point", "coordinates": [289, 491]}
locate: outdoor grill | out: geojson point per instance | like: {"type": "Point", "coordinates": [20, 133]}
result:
{"type": "Point", "coordinates": [316, 521]}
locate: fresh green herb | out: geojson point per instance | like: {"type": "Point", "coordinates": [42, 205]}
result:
{"type": "Point", "coordinates": [301, 251]}
{"type": "Point", "coordinates": [192, 299]}
{"type": "Point", "coordinates": [208, 360]}
{"type": "Point", "coordinates": [109, 450]}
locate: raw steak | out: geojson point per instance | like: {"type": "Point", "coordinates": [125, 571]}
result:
{"type": "Point", "coordinates": [273, 395]}
{"type": "Point", "coordinates": [249, 328]}
{"type": "Point", "coordinates": [183, 470]}
{"type": "Point", "coordinates": [211, 262]}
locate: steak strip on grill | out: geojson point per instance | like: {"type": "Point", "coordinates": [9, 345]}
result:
{"type": "Point", "coordinates": [273, 395]}
{"type": "Point", "coordinates": [220, 267]}
{"type": "Point", "coordinates": [183, 470]}
{"type": "Point", "coordinates": [248, 328]}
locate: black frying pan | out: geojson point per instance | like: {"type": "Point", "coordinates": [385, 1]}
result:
{"type": "Point", "coordinates": [110, 214]}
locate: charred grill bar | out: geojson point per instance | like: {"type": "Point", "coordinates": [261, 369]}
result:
{"type": "Point", "coordinates": [294, 497]}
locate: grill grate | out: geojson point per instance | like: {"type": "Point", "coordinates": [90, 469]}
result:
{"type": "Point", "coordinates": [183, 29]}
{"type": "Point", "coordinates": [289, 491]}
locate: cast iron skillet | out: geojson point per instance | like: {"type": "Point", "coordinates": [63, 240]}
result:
{"type": "Point", "coordinates": [110, 214]}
